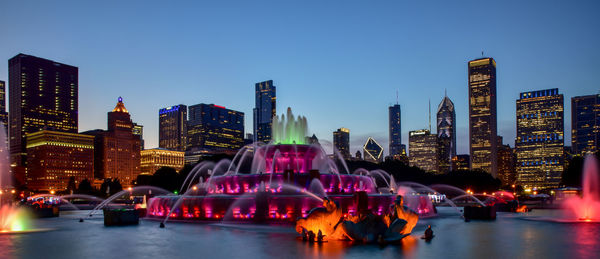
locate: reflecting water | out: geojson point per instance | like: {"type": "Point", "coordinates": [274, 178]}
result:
{"type": "Point", "coordinates": [509, 236]}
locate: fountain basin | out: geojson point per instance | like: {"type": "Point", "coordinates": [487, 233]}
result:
{"type": "Point", "coordinates": [480, 212]}
{"type": "Point", "coordinates": [121, 217]}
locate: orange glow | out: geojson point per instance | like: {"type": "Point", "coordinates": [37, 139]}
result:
{"type": "Point", "coordinates": [12, 191]}
{"type": "Point", "coordinates": [52, 192]}
{"type": "Point", "coordinates": [522, 208]}
{"type": "Point", "coordinates": [195, 188]}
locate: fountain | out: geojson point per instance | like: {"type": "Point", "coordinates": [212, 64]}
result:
{"type": "Point", "coordinates": [277, 182]}
{"type": "Point", "coordinates": [13, 219]}
{"type": "Point", "coordinates": [587, 207]}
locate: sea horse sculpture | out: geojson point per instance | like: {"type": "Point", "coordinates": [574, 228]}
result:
{"type": "Point", "coordinates": [324, 219]}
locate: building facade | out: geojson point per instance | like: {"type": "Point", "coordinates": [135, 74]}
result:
{"type": "Point", "coordinates": [264, 111]}
{"type": "Point", "coordinates": [155, 158]}
{"type": "Point", "coordinates": [446, 132]}
{"type": "Point", "coordinates": [43, 96]}
{"type": "Point", "coordinates": [539, 144]}
{"type": "Point", "coordinates": [506, 165]}
{"type": "Point", "coordinates": [482, 115]}
{"type": "Point", "coordinates": [3, 113]}
{"type": "Point", "coordinates": [585, 124]}
{"type": "Point", "coordinates": [172, 127]}
{"type": "Point", "coordinates": [214, 129]}
{"type": "Point", "coordinates": [54, 157]}
{"type": "Point", "coordinates": [395, 128]}
{"type": "Point", "coordinates": [372, 151]}
{"type": "Point", "coordinates": [423, 150]}
{"type": "Point", "coordinates": [138, 130]}
{"type": "Point", "coordinates": [117, 150]}
{"type": "Point", "coordinates": [341, 142]}
{"type": "Point", "coordinates": [461, 162]}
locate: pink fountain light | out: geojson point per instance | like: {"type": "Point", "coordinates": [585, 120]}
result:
{"type": "Point", "coordinates": [587, 207]}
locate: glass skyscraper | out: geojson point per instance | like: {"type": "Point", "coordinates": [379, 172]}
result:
{"type": "Point", "coordinates": [482, 115]}
{"type": "Point", "coordinates": [172, 132]}
{"type": "Point", "coordinates": [341, 142]}
{"type": "Point", "coordinates": [539, 144]}
{"type": "Point", "coordinates": [3, 114]}
{"type": "Point", "coordinates": [585, 124]}
{"type": "Point", "coordinates": [264, 110]}
{"type": "Point", "coordinates": [423, 150]}
{"type": "Point", "coordinates": [43, 96]}
{"type": "Point", "coordinates": [373, 151]}
{"type": "Point", "coordinates": [214, 129]}
{"type": "Point", "coordinates": [446, 132]}
{"type": "Point", "coordinates": [395, 130]}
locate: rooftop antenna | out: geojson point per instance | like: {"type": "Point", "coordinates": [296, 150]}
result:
{"type": "Point", "coordinates": [396, 96]}
{"type": "Point", "coordinates": [445, 92]}
{"type": "Point", "coordinates": [482, 53]}
{"type": "Point", "coordinates": [430, 115]}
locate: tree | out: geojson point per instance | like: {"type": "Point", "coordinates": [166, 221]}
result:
{"type": "Point", "coordinates": [71, 187]}
{"type": "Point", "coordinates": [166, 178]}
{"type": "Point", "coordinates": [85, 187]}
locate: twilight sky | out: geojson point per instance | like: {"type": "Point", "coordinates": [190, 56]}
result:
{"type": "Point", "coordinates": [338, 63]}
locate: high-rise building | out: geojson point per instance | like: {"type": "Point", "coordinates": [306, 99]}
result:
{"type": "Point", "coordinates": [172, 127]}
{"type": "Point", "coordinates": [461, 163]}
{"type": "Point", "coordinates": [482, 115]}
{"type": "Point", "coordinates": [373, 151]}
{"type": "Point", "coordinates": [264, 110]}
{"type": "Point", "coordinates": [423, 150]}
{"type": "Point", "coordinates": [395, 130]}
{"type": "Point", "coordinates": [155, 158]}
{"type": "Point", "coordinates": [43, 96]}
{"type": "Point", "coordinates": [117, 150]}
{"type": "Point", "coordinates": [446, 132]}
{"type": "Point", "coordinates": [214, 129]}
{"type": "Point", "coordinates": [539, 144]}
{"type": "Point", "coordinates": [341, 142]}
{"type": "Point", "coordinates": [585, 124]}
{"type": "Point", "coordinates": [3, 113]}
{"type": "Point", "coordinates": [506, 164]}
{"type": "Point", "coordinates": [138, 130]}
{"type": "Point", "coordinates": [54, 157]}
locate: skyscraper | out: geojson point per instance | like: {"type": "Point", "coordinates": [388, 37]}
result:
{"type": "Point", "coordinates": [423, 150]}
{"type": "Point", "coordinates": [214, 129]}
{"type": "Point", "coordinates": [117, 150]}
{"type": "Point", "coordinates": [395, 130]}
{"type": "Point", "coordinates": [585, 124]}
{"type": "Point", "coordinates": [446, 131]}
{"type": "Point", "coordinates": [539, 144]}
{"type": "Point", "coordinates": [482, 115]}
{"type": "Point", "coordinates": [373, 151]}
{"type": "Point", "coordinates": [43, 96]}
{"type": "Point", "coordinates": [341, 142]}
{"type": "Point", "coordinates": [264, 110]}
{"type": "Point", "coordinates": [172, 127]}
{"type": "Point", "coordinates": [3, 114]}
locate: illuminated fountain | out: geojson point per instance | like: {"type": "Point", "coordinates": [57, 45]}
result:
{"type": "Point", "coordinates": [587, 207]}
{"type": "Point", "coordinates": [278, 182]}
{"type": "Point", "coordinates": [12, 219]}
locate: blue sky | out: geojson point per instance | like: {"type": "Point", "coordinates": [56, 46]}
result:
{"type": "Point", "coordinates": [337, 62]}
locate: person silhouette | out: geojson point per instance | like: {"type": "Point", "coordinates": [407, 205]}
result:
{"type": "Point", "coordinates": [428, 233]}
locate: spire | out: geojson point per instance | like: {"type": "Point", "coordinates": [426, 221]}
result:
{"type": "Point", "coordinates": [120, 106]}
{"type": "Point", "coordinates": [429, 115]}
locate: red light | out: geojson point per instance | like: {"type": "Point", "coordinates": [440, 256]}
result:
{"type": "Point", "coordinates": [219, 106]}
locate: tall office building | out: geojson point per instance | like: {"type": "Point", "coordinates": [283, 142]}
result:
{"type": "Point", "coordinates": [214, 129]}
{"type": "Point", "coordinates": [395, 130]}
{"type": "Point", "coordinates": [446, 132]}
{"type": "Point", "coordinates": [138, 131]}
{"type": "Point", "coordinates": [539, 144]}
{"type": "Point", "coordinates": [585, 124]}
{"type": "Point", "coordinates": [373, 151]}
{"type": "Point", "coordinates": [264, 110]}
{"type": "Point", "coordinates": [506, 164]}
{"type": "Point", "coordinates": [423, 150]}
{"type": "Point", "coordinates": [172, 133]}
{"type": "Point", "coordinates": [43, 96]}
{"type": "Point", "coordinates": [3, 113]}
{"type": "Point", "coordinates": [482, 115]}
{"type": "Point", "coordinates": [341, 142]}
{"type": "Point", "coordinates": [117, 150]}
{"type": "Point", "coordinates": [54, 157]}
{"type": "Point", "coordinates": [461, 162]}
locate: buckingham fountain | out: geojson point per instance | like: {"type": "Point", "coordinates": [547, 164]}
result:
{"type": "Point", "coordinates": [281, 182]}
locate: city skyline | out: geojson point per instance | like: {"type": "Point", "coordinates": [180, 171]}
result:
{"type": "Point", "coordinates": [101, 80]}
